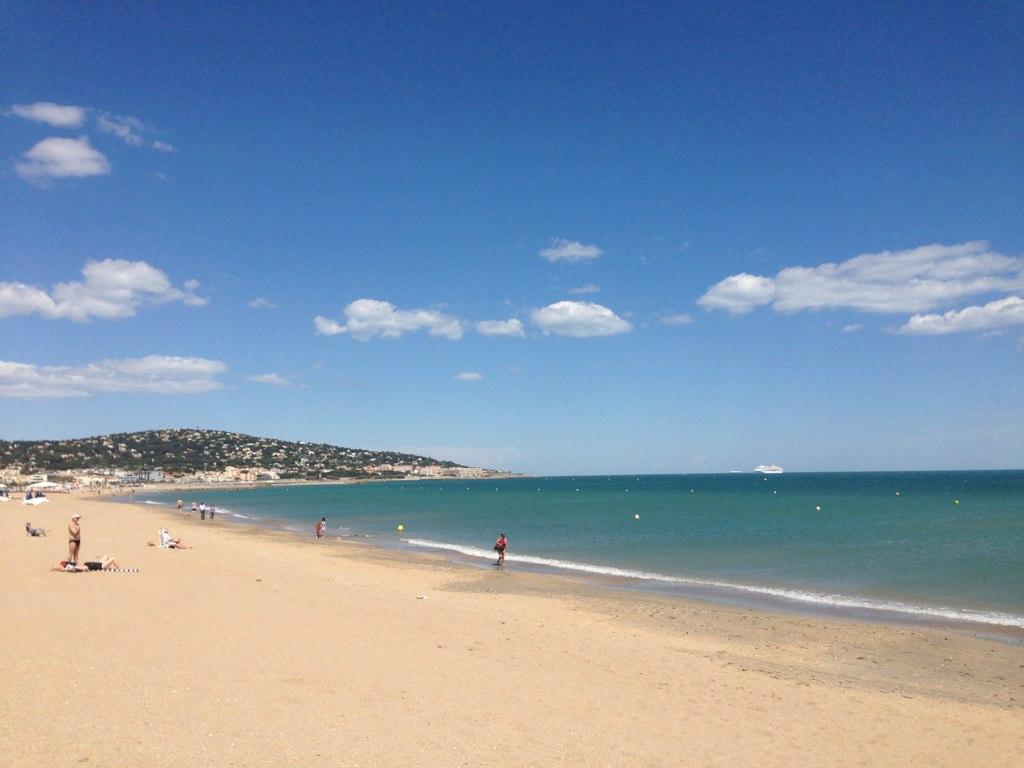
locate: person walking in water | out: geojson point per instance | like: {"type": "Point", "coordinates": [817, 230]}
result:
{"type": "Point", "coordinates": [74, 538]}
{"type": "Point", "coordinates": [499, 547]}
{"type": "Point", "coordinates": [320, 529]}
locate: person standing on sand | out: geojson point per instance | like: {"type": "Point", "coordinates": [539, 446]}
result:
{"type": "Point", "coordinates": [211, 509]}
{"type": "Point", "coordinates": [74, 538]}
{"type": "Point", "coordinates": [320, 529]}
{"type": "Point", "coordinates": [194, 508]}
{"type": "Point", "coordinates": [181, 505]}
{"type": "Point", "coordinates": [202, 511]}
{"type": "Point", "coordinates": [499, 547]}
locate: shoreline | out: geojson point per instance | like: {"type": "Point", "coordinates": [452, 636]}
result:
{"type": "Point", "coordinates": [788, 600]}
{"type": "Point", "coordinates": [258, 648]}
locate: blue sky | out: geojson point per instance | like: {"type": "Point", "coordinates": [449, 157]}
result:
{"type": "Point", "coordinates": [699, 238]}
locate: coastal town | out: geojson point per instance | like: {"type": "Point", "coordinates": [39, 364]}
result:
{"type": "Point", "coordinates": [201, 456]}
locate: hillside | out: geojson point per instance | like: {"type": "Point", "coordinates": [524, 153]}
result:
{"type": "Point", "coordinates": [187, 451]}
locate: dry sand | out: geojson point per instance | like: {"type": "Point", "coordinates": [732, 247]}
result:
{"type": "Point", "coordinates": [263, 649]}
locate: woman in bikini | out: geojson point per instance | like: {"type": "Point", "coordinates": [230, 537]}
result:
{"type": "Point", "coordinates": [74, 538]}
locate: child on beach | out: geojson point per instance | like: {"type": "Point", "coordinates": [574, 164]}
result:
{"type": "Point", "coordinates": [320, 529]}
{"type": "Point", "coordinates": [499, 547]}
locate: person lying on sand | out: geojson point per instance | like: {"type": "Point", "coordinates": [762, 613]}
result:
{"type": "Point", "coordinates": [105, 563]}
{"type": "Point", "coordinates": [34, 531]}
{"type": "Point", "coordinates": [166, 541]}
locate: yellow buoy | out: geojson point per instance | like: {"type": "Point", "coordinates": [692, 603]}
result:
{"type": "Point", "coordinates": [400, 528]}
{"type": "Point", "coordinates": [818, 509]}
{"type": "Point", "coordinates": [636, 517]}
{"type": "Point", "coordinates": [956, 501]}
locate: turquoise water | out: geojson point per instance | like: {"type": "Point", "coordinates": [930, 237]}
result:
{"type": "Point", "coordinates": [935, 545]}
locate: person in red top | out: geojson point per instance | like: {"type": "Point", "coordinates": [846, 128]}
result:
{"type": "Point", "coordinates": [320, 529]}
{"type": "Point", "coordinates": [499, 547]}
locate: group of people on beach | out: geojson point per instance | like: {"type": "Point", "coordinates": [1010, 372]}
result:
{"type": "Point", "coordinates": [200, 509]}
{"type": "Point", "coordinates": [166, 541]}
{"type": "Point", "coordinates": [106, 563]}
{"type": "Point", "coordinates": [71, 565]}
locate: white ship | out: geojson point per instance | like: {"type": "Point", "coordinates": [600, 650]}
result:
{"type": "Point", "coordinates": [768, 469]}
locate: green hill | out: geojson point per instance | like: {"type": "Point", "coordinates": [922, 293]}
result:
{"type": "Point", "coordinates": [185, 451]}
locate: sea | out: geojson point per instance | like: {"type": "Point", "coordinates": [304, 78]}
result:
{"type": "Point", "coordinates": [932, 547]}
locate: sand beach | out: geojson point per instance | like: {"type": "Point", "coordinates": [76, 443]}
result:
{"type": "Point", "coordinates": [260, 648]}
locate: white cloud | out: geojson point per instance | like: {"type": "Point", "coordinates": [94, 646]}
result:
{"type": "Point", "coordinates": [368, 318]}
{"type": "Point", "coordinates": [469, 376]}
{"type": "Point", "coordinates": [127, 129]}
{"type": "Point", "coordinates": [327, 327]}
{"type": "Point", "coordinates": [62, 158]}
{"type": "Point", "coordinates": [131, 131]}
{"type": "Point", "coordinates": [583, 289]}
{"type": "Point", "coordinates": [57, 115]}
{"type": "Point", "coordinates": [112, 289]}
{"type": "Point", "coordinates": [569, 250]}
{"type": "Point", "coordinates": [852, 328]}
{"type": "Point", "coordinates": [273, 379]}
{"type": "Point", "coordinates": [677, 319]}
{"type": "Point", "coordinates": [888, 282]}
{"type": "Point", "coordinates": [154, 374]}
{"type": "Point", "coordinates": [511, 327]}
{"type": "Point", "coordinates": [739, 294]}
{"type": "Point", "coordinates": [1000, 313]}
{"type": "Point", "coordinates": [261, 303]}
{"type": "Point", "coordinates": [580, 319]}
